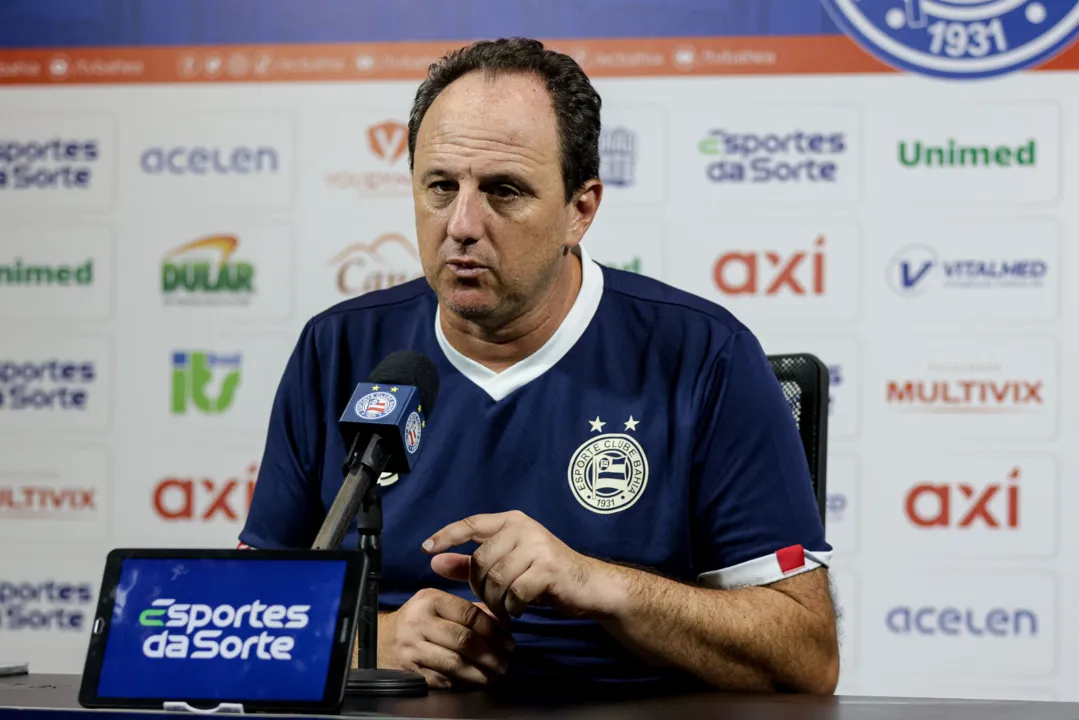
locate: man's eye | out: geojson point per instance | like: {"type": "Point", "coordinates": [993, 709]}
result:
{"type": "Point", "coordinates": [504, 192]}
{"type": "Point", "coordinates": [442, 186]}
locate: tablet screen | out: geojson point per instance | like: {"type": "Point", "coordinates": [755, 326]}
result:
{"type": "Point", "coordinates": [207, 628]}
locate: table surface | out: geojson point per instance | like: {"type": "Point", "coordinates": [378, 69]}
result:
{"type": "Point", "coordinates": [60, 693]}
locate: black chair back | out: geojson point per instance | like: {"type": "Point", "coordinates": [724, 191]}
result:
{"type": "Point", "coordinates": [804, 379]}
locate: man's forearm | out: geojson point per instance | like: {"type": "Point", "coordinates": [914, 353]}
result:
{"type": "Point", "coordinates": [753, 639]}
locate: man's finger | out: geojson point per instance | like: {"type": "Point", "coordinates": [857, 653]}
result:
{"type": "Point", "coordinates": [462, 612]}
{"type": "Point", "coordinates": [523, 592]}
{"type": "Point", "coordinates": [500, 577]}
{"type": "Point", "coordinates": [452, 566]}
{"type": "Point", "coordinates": [476, 528]}
{"type": "Point", "coordinates": [468, 643]}
{"type": "Point", "coordinates": [484, 558]}
{"type": "Point", "coordinates": [451, 664]}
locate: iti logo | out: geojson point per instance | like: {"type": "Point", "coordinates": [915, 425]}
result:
{"type": "Point", "coordinates": [193, 372]}
{"type": "Point", "coordinates": [204, 499]}
{"type": "Point", "coordinates": [388, 141]}
{"type": "Point", "coordinates": [768, 274]}
{"type": "Point", "coordinates": [962, 505]}
{"type": "Point", "coordinates": [47, 606]}
{"type": "Point", "coordinates": [391, 259]}
{"type": "Point", "coordinates": [618, 157]}
{"type": "Point", "coordinates": [203, 272]}
{"type": "Point", "coordinates": [184, 623]}
{"type": "Point", "coordinates": [917, 269]}
{"type": "Point", "coordinates": [376, 404]}
{"type": "Point", "coordinates": [794, 157]}
{"type": "Point", "coordinates": [959, 39]}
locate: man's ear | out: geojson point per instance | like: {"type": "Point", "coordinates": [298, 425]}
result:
{"type": "Point", "coordinates": [585, 205]}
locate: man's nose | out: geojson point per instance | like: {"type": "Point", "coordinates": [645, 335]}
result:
{"type": "Point", "coordinates": [466, 217]}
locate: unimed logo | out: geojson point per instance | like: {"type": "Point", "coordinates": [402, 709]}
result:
{"type": "Point", "coordinates": [205, 499]}
{"type": "Point", "coordinates": [963, 505]}
{"type": "Point", "coordinates": [770, 273]}
{"type": "Point", "coordinates": [957, 621]}
{"type": "Point", "coordinates": [184, 623]}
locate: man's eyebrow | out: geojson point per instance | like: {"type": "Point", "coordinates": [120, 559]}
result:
{"type": "Point", "coordinates": [432, 174]}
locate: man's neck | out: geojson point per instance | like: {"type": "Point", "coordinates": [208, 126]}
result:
{"type": "Point", "coordinates": [505, 346]}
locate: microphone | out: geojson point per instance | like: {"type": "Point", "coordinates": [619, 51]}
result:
{"type": "Point", "coordinates": [383, 426]}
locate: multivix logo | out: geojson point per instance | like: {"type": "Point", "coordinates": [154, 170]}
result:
{"type": "Point", "coordinates": [189, 626]}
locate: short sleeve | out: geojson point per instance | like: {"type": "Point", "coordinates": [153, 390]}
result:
{"type": "Point", "coordinates": [755, 515]}
{"type": "Point", "coordinates": [286, 508]}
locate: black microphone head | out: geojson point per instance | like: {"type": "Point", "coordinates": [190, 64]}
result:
{"type": "Point", "coordinates": [408, 367]}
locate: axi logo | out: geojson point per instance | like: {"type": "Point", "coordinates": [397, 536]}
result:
{"type": "Point", "coordinates": [388, 140]}
{"type": "Point", "coordinates": [192, 375]}
{"type": "Point", "coordinates": [205, 499]}
{"type": "Point", "coordinates": [187, 621]}
{"type": "Point", "coordinates": [618, 157]}
{"type": "Point", "coordinates": [966, 395]}
{"type": "Point", "coordinates": [47, 165]}
{"type": "Point", "coordinates": [44, 606]}
{"type": "Point", "coordinates": [49, 385]}
{"type": "Point", "coordinates": [794, 157]}
{"type": "Point", "coordinates": [387, 143]}
{"type": "Point", "coordinates": [918, 153]}
{"type": "Point", "coordinates": [930, 620]}
{"type": "Point", "coordinates": [203, 272]}
{"type": "Point", "coordinates": [918, 268]}
{"type": "Point", "coordinates": [198, 160]}
{"type": "Point", "coordinates": [391, 259]}
{"type": "Point", "coordinates": [770, 273]}
{"type": "Point", "coordinates": [961, 505]}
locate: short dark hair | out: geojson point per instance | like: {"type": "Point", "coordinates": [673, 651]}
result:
{"type": "Point", "coordinates": [576, 103]}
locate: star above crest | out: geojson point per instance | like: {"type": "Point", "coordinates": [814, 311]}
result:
{"type": "Point", "coordinates": [631, 424]}
{"type": "Point", "coordinates": [597, 424]}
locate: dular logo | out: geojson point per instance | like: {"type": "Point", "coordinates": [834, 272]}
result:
{"type": "Point", "coordinates": [771, 273]}
{"type": "Point", "coordinates": [391, 259]}
{"type": "Point", "coordinates": [205, 499]}
{"type": "Point", "coordinates": [204, 272]}
{"type": "Point", "coordinates": [387, 144]}
{"type": "Point", "coordinates": [967, 389]}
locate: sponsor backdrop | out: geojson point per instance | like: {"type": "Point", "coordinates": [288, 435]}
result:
{"type": "Point", "coordinates": [888, 184]}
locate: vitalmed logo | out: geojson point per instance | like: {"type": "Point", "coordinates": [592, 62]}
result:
{"type": "Point", "coordinates": [204, 382]}
{"type": "Point", "coordinates": [381, 167]}
{"type": "Point", "coordinates": [48, 163]}
{"type": "Point", "coordinates": [770, 273]}
{"type": "Point", "coordinates": [918, 269]}
{"type": "Point", "coordinates": [205, 499]}
{"type": "Point", "coordinates": [205, 272]}
{"type": "Point", "coordinates": [618, 157]}
{"type": "Point", "coordinates": [796, 156]}
{"type": "Point", "coordinates": [202, 632]}
{"type": "Point", "coordinates": [210, 160]}
{"type": "Point", "coordinates": [49, 386]}
{"type": "Point", "coordinates": [47, 606]}
{"type": "Point", "coordinates": [969, 505]}
{"type": "Point", "coordinates": [390, 259]}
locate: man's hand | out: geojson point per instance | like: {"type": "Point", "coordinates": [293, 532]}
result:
{"type": "Point", "coordinates": [447, 639]}
{"type": "Point", "coordinates": [519, 563]}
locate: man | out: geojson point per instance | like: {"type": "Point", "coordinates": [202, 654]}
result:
{"type": "Point", "coordinates": [613, 488]}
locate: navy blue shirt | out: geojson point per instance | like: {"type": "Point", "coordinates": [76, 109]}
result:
{"type": "Point", "coordinates": [649, 430]}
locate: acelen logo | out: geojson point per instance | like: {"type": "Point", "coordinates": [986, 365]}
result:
{"type": "Point", "coordinates": [772, 273]}
{"type": "Point", "coordinates": [389, 260]}
{"type": "Point", "coordinates": [200, 160]}
{"type": "Point", "coordinates": [961, 506]}
{"type": "Point", "coordinates": [186, 621]}
{"type": "Point", "coordinates": [204, 499]}
{"type": "Point", "coordinates": [193, 374]}
{"type": "Point", "coordinates": [203, 272]}
{"type": "Point", "coordinates": [956, 621]}
{"type": "Point", "coordinates": [384, 172]}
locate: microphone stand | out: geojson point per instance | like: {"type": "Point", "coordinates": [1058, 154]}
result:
{"type": "Point", "coordinates": [368, 679]}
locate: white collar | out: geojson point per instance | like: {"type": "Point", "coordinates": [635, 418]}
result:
{"type": "Point", "coordinates": [499, 385]}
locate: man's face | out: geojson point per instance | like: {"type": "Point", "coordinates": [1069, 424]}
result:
{"type": "Point", "coordinates": [491, 215]}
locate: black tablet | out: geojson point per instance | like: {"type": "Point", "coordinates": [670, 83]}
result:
{"type": "Point", "coordinates": [270, 630]}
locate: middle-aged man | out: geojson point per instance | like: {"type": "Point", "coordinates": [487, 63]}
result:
{"type": "Point", "coordinates": [613, 488]}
